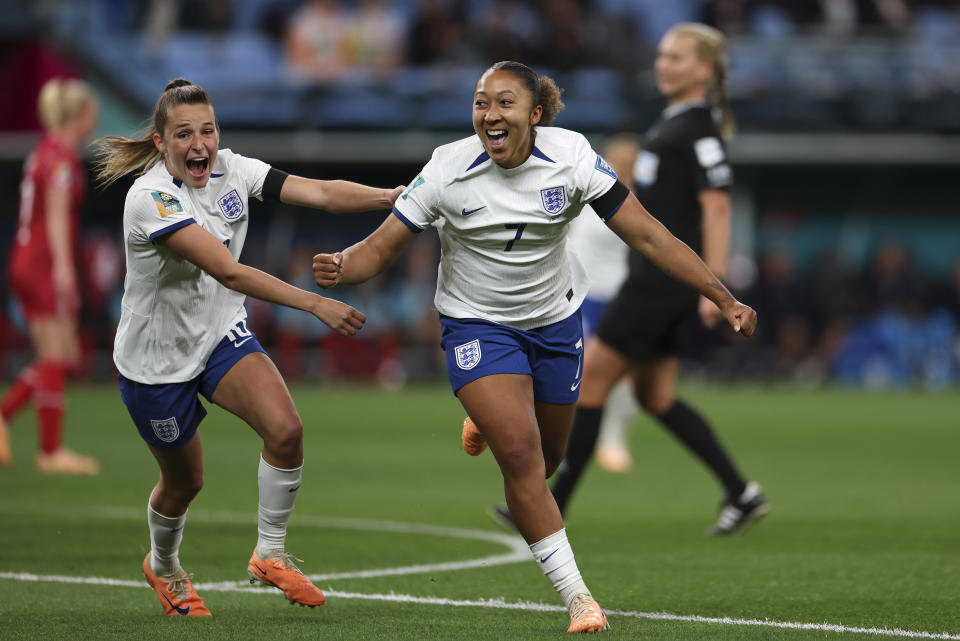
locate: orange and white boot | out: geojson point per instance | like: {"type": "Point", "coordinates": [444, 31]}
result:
{"type": "Point", "coordinates": [586, 615]}
{"type": "Point", "coordinates": [474, 442]}
{"type": "Point", "coordinates": [176, 592]}
{"type": "Point", "coordinates": [279, 570]}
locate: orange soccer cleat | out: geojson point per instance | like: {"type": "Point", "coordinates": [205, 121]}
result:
{"type": "Point", "coordinates": [279, 571]}
{"type": "Point", "coordinates": [586, 615]}
{"type": "Point", "coordinates": [64, 461]}
{"type": "Point", "coordinates": [6, 458]}
{"type": "Point", "coordinates": [176, 593]}
{"type": "Point", "coordinates": [473, 441]}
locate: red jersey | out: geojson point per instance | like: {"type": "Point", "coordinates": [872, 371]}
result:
{"type": "Point", "coordinates": [51, 165]}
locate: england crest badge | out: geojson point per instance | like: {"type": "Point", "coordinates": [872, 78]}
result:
{"type": "Point", "coordinates": [231, 205]}
{"type": "Point", "coordinates": [554, 199]}
{"type": "Point", "coordinates": [166, 430]}
{"type": "Point", "coordinates": [468, 354]}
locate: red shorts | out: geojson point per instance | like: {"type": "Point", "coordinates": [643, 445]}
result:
{"type": "Point", "coordinates": [34, 290]}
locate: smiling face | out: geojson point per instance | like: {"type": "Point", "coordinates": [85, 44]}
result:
{"type": "Point", "coordinates": [189, 143]}
{"type": "Point", "coordinates": [504, 116]}
{"type": "Point", "coordinates": [681, 74]}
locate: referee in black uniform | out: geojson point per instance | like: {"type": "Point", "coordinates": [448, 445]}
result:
{"type": "Point", "coordinates": [682, 177]}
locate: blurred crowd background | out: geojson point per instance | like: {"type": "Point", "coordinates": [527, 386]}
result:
{"type": "Point", "coordinates": [846, 233]}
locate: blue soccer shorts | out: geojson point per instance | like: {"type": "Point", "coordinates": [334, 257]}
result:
{"type": "Point", "coordinates": [552, 355]}
{"type": "Point", "coordinates": [167, 415]}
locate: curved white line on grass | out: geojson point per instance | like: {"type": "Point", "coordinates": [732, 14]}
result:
{"type": "Point", "coordinates": [502, 604]}
{"type": "Point", "coordinates": [519, 552]}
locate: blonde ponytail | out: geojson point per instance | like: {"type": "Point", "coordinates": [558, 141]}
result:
{"type": "Point", "coordinates": [60, 99]}
{"type": "Point", "coordinates": [711, 47]}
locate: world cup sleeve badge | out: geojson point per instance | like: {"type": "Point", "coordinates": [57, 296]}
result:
{"type": "Point", "coordinates": [231, 205]}
{"type": "Point", "coordinates": [165, 203]}
{"type": "Point", "coordinates": [554, 199]}
{"type": "Point", "coordinates": [468, 354]}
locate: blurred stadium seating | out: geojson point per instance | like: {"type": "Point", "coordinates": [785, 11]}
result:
{"type": "Point", "coordinates": [849, 143]}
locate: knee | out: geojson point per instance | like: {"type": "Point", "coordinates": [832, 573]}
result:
{"type": "Point", "coordinates": [655, 401]}
{"type": "Point", "coordinates": [286, 437]}
{"type": "Point", "coordinates": [184, 488]}
{"type": "Point", "coordinates": [520, 459]}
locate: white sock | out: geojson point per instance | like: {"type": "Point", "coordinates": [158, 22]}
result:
{"type": "Point", "coordinates": [278, 493]}
{"type": "Point", "coordinates": [555, 557]}
{"type": "Point", "coordinates": [165, 536]}
{"type": "Point", "coordinates": [621, 406]}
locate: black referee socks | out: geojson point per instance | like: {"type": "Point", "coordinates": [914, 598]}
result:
{"type": "Point", "coordinates": [688, 426]}
{"type": "Point", "coordinates": [580, 446]}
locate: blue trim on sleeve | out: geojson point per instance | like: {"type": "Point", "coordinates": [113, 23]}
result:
{"type": "Point", "coordinates": [482, 158]}
{"type": "Point", "coordinates": [539, 154]}
{"type": "Point", "coordinates": [172, 228]}
{"type": "Point", "coordinates": [615, 209]}
{"type": "Point", "coordinates": [406, 221]}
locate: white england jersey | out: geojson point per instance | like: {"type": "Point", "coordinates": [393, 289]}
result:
{"type": "Point", "coordinates": [174, 313]}
{"type": "Point", "coordinates": [503, 231]}
{"type": "Point", "coordinates": [603, 254]}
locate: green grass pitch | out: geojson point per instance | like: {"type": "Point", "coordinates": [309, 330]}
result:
{"type": "Point", "coordinates": [863, 538]}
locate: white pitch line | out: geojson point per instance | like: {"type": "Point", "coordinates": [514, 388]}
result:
{"type": "Point", "coordinates": [519, 551]}
{"type": "Point", "coordinates": [502, 604]}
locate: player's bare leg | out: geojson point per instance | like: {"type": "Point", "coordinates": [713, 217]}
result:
{"type": "Point", "coordinates": [254, 390]}
{"type": "Point", "coordinates": [511, 428]}
{"type": "Point", "coordinates": [181, 478]}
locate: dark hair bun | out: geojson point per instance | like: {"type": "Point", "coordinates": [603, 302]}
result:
{"type": "Point", "coordinates": [177, 82]}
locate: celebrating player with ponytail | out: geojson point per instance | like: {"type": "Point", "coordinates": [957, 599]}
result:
{"type": "Point", "coordinates": [183, 328]}
{"type": "Point", "coordinates": [509, 293]}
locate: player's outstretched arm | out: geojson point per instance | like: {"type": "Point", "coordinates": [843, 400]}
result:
{"type": "Point", "coordinates": [202, 249]}
{"type": "Point", "coordinates": [647, 235]}
{"type": "Point", "coordinates": [336, 196]}
{"type": "Point", "coordinates": [366, 259]}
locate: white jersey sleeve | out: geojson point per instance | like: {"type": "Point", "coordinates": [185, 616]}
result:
{"type": "Point", "coordinates": [593, 175]}
{"type": "Point", "coordinates": [250, 172]}
{"type": "Point", "coordinates": [154, 213]}
{"type": "Point", "coordinates": [418, 206]}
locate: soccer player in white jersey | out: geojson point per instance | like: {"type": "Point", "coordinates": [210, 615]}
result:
{"type": "Point", "coordinates": [604, 257]}
{"type": "Point", "coordinates": [509, 293]}
{"type": "Point", "coordinates": [183, 327]}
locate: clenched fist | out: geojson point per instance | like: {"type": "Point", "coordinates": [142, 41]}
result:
{"type": "Point", "coordinates": [327, 269]}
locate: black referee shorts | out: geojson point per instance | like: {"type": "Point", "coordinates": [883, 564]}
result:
{"type": "Point", "coordinates": [643, 323]}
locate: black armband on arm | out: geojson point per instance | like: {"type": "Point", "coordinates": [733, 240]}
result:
{"type": "Point", "coordinates": [608, 204]}
{"type": "Point", "coordinates": [273, 183]}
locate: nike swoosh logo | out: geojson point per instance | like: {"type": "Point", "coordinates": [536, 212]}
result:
{"type": "Point", "coordinates": [544, 559]}
{"type": "Point", "coordinates": [294, 489]}
{"type": "Point", "coordinates": [176, 529]}
{"type": "Point", "coordinates": [181, 611]}
{"type": "Point", "coordinates": [573, 388]}
{"type": "Point", "coordinates": [262, 571]}
{"type": "Point", "coordinates": [465, 212]}
{"type": "Point", "coordinates": [239, 343]}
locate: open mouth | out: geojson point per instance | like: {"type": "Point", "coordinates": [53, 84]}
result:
{"type": "Point", "coordinates": [197, 167]}
{"type": "Point", "coordinates": [497, 138]}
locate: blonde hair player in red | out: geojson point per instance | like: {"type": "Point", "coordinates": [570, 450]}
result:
{"type": "Point", "coordinates": [43, 273]}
